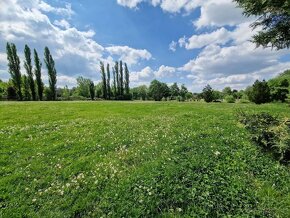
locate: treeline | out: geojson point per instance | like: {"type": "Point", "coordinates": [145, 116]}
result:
{"type": "Point", "coordinates": [119, 88]}
{"type": "Point", "coordinates": [30, 85]}
{"type": "Point", "coordinates": [260, 92]}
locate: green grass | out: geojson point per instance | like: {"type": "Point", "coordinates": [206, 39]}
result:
{"type": "Point", "coordinates": [126, 159]}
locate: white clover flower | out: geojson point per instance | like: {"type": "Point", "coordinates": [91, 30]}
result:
{"type": "Point", "coordinates": [217, 153]}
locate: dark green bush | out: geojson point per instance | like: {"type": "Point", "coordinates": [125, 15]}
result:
{"type": "Point", "coordinates": [269, 132]}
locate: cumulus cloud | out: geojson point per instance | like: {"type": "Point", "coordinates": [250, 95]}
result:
{"type": "Point", "coordinates": [219, 13]}
{"type": "Point", "coordinates": [75, 51]}
{"type": "Point", "coordinates": [165, 71]}
{"type": "Point", "coordinates": [129, 55]}
{"type": "Point", "coordinates": [171, 6]}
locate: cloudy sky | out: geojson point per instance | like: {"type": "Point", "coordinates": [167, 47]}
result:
{"type": "Point", "coordinates": [194, 42]}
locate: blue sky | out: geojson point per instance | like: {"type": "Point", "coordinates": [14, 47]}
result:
{"type": "Point", "coordinates": [195, 42]}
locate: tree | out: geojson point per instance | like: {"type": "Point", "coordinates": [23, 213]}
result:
{"type": "Point", "coordinates": [227, 91]}
{"type": "Point", "coordinates": [14, 68]}
{"type": "Point", "coordinates": [260, 92]}
{"type": "Point", "coordinates": [280, 93]}
{"type": "Point", "coordinates": [108, 81]}
{"type": "Point", "coordinates": [127, 80]}
{"type": "Point", "coordinates": [26, 88]}
{"type": "Point", "coordinates": [114, 82]}
{"type": "Point", "coordinates": [11, 93]}
{"type": "Point", "coordinates": [104, 82]}
{"type": "Point", "coordinates": [121, 79]}
{"type": "Point", "coordinates": [66, 93]}
{"type": "Point", "coordinates": [273, 19]}
{"type": "Point", "coordinates": [174, 90]}
{"type": "Point", "coordinates": [92, 90]}
{"type": "Point", "coordinates": [183, 92]}
{"type": "Point", "coordinates": [28, 68]}
{"type": "Point", "coordinates": [208, 94]}
{"type": "Point", "coordinates": [83, 86]}
{"type": "Point", "coordinates": [158, 90]}
{"type": "Point", "coordinates": [117, 78]}
{"type": "Point", "coordinates": [140, 92]}
{"type": "Point", "coordinates": [37, 73]}
{"type": "Point", "coordinates": [99, 90]}
{"type": "Point", "coordinates": [51, 73]}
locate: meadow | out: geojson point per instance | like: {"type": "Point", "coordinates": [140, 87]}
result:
{"type": "Point", "coordinates": [136, 159]}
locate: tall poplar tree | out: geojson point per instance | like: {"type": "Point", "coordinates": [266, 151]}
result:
{"type": "Point", "coordinates": [14, 68]}
{"type": "Point", "coordinates": [28, 68]}
{"type": "Point", "coordinates": [104, 82]}
{"type": "Point", "coordinates": [92, 90]}
{"type": "Point", "coordinates": [26, 88]}
{"type": "Point", "coordinates": [37, 73]}
{"type": "Point", "coordinates": [121, 79]}
{"type": "Point", "coordinates": [114, 82]}
{"type": "Point", "coordinates": [117, 78]}
{"type": "Point", "coordinates": [127, 80]}
{"type": "Point", "coordinates": [108, 82]}
{"type": "Point", "coordinates": [51, 73]}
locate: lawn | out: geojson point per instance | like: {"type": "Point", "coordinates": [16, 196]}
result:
{"type": "Point", "coordinates": [134, 159]}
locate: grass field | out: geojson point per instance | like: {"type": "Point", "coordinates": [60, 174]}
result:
{"type": "Point", "coordinates": [126, 159]}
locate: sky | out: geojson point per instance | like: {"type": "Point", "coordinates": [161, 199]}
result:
{"type": "Point", "coordinates": [191, 42]}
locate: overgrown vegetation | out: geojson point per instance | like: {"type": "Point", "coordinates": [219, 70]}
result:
{"type": "Point", "coordinates": [269, 132]}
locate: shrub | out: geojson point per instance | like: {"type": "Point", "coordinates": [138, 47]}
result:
{"type": "Point", "coordinates": [230, 99]}
{"type": "Point", "coordinates": [269, 132]}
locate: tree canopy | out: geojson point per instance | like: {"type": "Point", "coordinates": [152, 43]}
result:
{"type": "Point", "coordinates": [273, 19]}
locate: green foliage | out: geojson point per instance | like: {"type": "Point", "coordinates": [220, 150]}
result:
{"type": "Point", "coordinates": [28, 68]}
{"type": "Point", "coordinates": [174, 91]}
{"type": "Point", "coordinates": [104, 80]}
{"type": "Point", "coordinates": [273, 20]}
{"type": "Point", "coordinates": [37, 73]}
{"type": "Point", "coordinates": [11, 93]}
{"type": "Point", "coordinates": [208, 94]}
{"type": "Point", "coordinates": [183, 92]}
{"type": "Point", "coordinates": [121, 78]}
{"type": "Point", "coordinates": [3, 89]}
{"type": "Point", "coordinates": [140, 92]}
{"type": "Point", "coordinates": [26, 88]}
{"type": "Point", "coordinates": [66, 93]}
{"type": "Point", "coordinates": [83, 87]}
{"type": "Point", "coordinates": [260, 92]}
{"type": "Point", "coordinates": [108, 82]}
{"type": "Point", "coordinates": [92, 90]}
{"type": "Point", "coordinates": [126, 159]}
{"type": "Point", "coordinates": [227, 91]}
{"type": "Point", "coordinates": [230, 99]}
{"type": "Point", "coordinates": [14, 67]}
{"type": "Point", "coordinates": [127, 80]}
{"type": "Point", "coordinates": [49, 62]}
{"type": "Point", "coordinates": [158, 90]}
{"type": "Point", "coordinates": [269, 132]}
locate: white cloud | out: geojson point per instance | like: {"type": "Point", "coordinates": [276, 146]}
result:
{"type": "Point", "coordinates": [145, 74]}
{"type": "Point", "coordinates": [129, 3]}
{"type": "Point", "coordinates": [171, 6]}
{"type": "Point", "coordinates": [172, 46]}
{"type": "Point", "coordinates": [220, 36]}
{"type": "Point", "coordinates": [129, 55]}
{"type": "Point", "coordinates": [165, 72]}
{"type": "Point", "coordinates": [62, 23]}
{"type": "Point", "coordinates": [75, 51]}
{"type": "Point", "coordinates": [219, 13]}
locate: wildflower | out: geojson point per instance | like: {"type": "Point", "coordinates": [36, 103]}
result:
{"type": "Point", "coordinates": [217, 153]}
{"type": "Point", "coordinates": [34, 199]}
